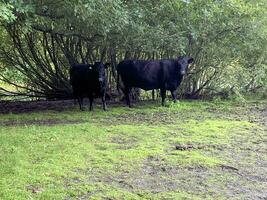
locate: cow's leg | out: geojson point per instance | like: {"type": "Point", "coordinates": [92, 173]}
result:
{"type": "Point", "coordinates": [163, 96]}
{"type": "Point", "coordinates": [127, 96]}
{"type": "Point", "coordinates": [91, 99]}
{"type": "Point", "coordinates": [75, 97]}
{"type": "Point", "coordinates": [75, 101]}
{"type": "Point", "coordinates": [174, 98]}
{"type": "Point", "coordinates": [80, 101]}
{"type": "Point", "coordinates": [104, 102]}
{"type": "Point", "coordinates": [153, 95]}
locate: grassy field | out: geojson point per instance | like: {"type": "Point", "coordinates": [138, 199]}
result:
{"type": "Point", "coordinates": [187, 150]}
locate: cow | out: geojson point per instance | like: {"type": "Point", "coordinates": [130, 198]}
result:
{"type": "Point", "coordinates": [88, 80]}
{"type": "Point", "coordinates": [165, 74]}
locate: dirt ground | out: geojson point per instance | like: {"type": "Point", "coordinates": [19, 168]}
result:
{"type": "Point", "coordinates": [33, 106]}
{"type": "Point", "coordinates": [17, 107]}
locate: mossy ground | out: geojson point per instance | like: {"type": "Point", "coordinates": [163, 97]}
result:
{"type": "Point", "coordinates": [187, 150]}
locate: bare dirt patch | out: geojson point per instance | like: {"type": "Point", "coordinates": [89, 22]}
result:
{"type": "Point", "coordinates": [188, 147]}
{"type": "Point", "coordinates": [124, 142]}
{"type": "Point", "coordinates": [46, 122]}
{"type": "Point", "coordinates": [33, 106]}
{"type": "Point", "coordinates": [17, 107]}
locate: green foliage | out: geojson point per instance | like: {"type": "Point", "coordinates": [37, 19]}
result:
{"type": "Point", "coordinates": [6, 12]}
{"type": "Point", "coordinates": [227, 39]}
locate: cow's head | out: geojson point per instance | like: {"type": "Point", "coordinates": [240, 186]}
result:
{"type": "Point", "coordinates": [99, 67]}
{"type": "Point", "coordinates": [183, 62]}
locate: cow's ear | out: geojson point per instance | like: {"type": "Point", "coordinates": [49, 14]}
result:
{"type": "Point", "coordinates": [190, 60]}
{"type": "Point", "coordinates": [90, 67]}
{"type": "Point", "coordinates": [107, 65]}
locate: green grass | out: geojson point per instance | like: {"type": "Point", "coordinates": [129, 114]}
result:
{"type": "Point", "coordinates": [101, 155]}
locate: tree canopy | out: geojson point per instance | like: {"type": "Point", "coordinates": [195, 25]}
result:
{"type": "Point", "coordinates": [227, 39]}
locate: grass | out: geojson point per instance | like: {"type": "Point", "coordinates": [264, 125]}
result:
{"type": "Point", "coordinates": [129, 153]}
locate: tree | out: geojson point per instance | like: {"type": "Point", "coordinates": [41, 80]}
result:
{"type": "Point", "coordinates": [43, 37]}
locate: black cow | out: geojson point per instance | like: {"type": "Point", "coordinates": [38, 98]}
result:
{"type": "Point", "coordinates": [88, 81]}
{"type": "Point", "coordinates": [148, 75]}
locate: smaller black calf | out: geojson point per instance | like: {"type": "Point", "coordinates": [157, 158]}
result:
{"type": "Point", "coordinates": [89, 81]}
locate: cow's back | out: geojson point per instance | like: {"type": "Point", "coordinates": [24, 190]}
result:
{"type": "Point", "coordinates": [140, 73]}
